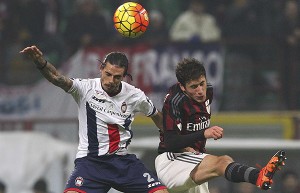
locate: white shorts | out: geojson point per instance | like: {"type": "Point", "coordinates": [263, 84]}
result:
{"type": "Point", "coordinates": [173, 170]}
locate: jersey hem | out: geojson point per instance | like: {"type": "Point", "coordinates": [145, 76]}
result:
{"type": "Point", "coordinates": [157, 188]}
{"type": "Point", "coordinates": [74, 189]}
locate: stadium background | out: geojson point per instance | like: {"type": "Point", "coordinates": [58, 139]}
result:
{"type": "Point", "coordinates": [256, 97]}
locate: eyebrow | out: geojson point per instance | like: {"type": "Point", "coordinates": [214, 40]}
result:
{"type": "Point", "coordinates": [107, 72]}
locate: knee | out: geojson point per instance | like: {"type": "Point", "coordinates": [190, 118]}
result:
{"type": "Point", "coordinates": [225, 159]}
{"type": "Point", "coordinates": [222, 163]}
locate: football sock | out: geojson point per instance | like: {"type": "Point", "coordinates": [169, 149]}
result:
{"type": "Point", "coordinates": [236, 172]}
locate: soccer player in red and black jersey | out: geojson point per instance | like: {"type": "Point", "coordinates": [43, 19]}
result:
{"type": "Point", "coordinates": [182, 164]}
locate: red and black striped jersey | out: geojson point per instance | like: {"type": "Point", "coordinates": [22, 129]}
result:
{"type": "Point", "coordinates": [183, 119]}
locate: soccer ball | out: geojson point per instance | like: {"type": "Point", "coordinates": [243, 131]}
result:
{"type": "Point", "coordinates": [131, 19]}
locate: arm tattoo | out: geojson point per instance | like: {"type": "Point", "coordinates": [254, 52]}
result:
{"type": "Point", "coordinates": [53, 76]}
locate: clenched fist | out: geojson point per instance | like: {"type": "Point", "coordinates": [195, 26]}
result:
{"type": "Point", "coordinates": [214, 132]}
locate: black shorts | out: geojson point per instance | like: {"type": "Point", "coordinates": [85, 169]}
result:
{"type": "Point", "coordinates": [124, 173]}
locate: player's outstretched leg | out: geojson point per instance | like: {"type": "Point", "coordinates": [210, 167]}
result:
{"type": "Point", "coordinates": [265, 176]}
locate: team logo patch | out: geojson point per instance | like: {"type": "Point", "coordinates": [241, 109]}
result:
{"type": "Point", "coordinates": [124, 107]}
{"type": "Point", "coordinates": [79, 181]}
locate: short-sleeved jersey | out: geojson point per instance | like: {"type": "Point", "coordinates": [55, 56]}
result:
{"type": "Point", "coordinates": [105, 121]}
{"type": "Point", "coordinates": [184, 115]}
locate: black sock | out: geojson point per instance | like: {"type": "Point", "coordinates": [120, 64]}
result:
{"type": "Point", "coordinates": [236, 172]}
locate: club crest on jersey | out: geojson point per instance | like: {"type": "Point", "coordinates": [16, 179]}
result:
{"type": "Point", "coordinates": [123, 107]}
{"type": "Point", "coordinates": [79, 181]}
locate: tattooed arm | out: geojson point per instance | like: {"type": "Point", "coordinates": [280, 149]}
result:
{"type": "Point", "coordinates": [47, 69]}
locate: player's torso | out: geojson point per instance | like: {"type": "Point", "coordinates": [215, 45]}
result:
{"type": "Point", "coordinates": [191, 116]}
{"type": "Point", "coordinates": [195, 116]}
{"type": "Point", "coordinates": [185, 115]}
{"type": "Point", "coordinates": [104, 121]}
{"type": "Point", "coordinates": [109, 110]}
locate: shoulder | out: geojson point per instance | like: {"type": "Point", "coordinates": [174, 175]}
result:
{"type": "Point", "coordinates": [175, 96]}
{"type": "Point", "coordinates": [130, 89]}
{"type": "Point", "coordinates": [85, 82]}
{"type": "Point", "coordinates": [208, 17]}
{"type": "Point", "coordinates": [184, 16]}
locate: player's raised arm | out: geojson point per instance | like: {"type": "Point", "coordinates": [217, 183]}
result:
{"type": "Point", "coordinates": [46, 68]}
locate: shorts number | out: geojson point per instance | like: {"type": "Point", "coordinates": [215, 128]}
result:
{"type": "Point", "coordinates": [148, 176]}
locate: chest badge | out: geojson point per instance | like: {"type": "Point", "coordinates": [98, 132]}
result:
{"type": "Point", "coordinates": [123, 107]}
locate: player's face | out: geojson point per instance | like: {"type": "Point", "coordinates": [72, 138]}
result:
{"type": "Point", "coordinates": [111, 77]}
{"type": "Point", "coordinates": [196, 89]}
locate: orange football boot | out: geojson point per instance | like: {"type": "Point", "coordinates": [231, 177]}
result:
{"type": "Point", "coordinates": [265, 176]}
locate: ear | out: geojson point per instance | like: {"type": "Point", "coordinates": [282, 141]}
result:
{"type": "Point", "coordinates": [182, 87]}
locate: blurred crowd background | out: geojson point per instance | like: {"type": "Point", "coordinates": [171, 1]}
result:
{"type": "Point", "coordinates": [260, 39]}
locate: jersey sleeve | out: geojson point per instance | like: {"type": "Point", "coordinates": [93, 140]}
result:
{"type": "Point", "coordinates": [171, 114]}
{"type": "Point", "coordinates": [145, 105]}
{"type": "Point", "coordinates": [78, 88]}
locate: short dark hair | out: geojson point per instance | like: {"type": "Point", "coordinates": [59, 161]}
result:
{"type": "Point", "coordinates": [118, 59]}
{"type": "Point", "coordinates": [189, 69]}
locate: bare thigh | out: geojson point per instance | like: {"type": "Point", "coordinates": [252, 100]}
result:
{"type": "Point", "coordinates": [210, 167]}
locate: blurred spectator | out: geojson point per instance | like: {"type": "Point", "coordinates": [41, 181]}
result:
{"type": "Point", "coordinates": [3, 23]}
{"type": "Point", "coordinates": [87, 26]}
{"type": "Point", "coordinates": [290, 182]}
{"type": "Point", "coordinates": [30, 22]}
{"type": "Point", "coordinates": [157, 32]}
{"type": "Point", "coordinates": [2, 187]}
{"type": "Point", "coordinates": [40, 186]}
{"type": "Point", "coordinates": [52, 39]}
{"type": "Point", "coordinates": [218, 9]}
{"type": "Point", "coordinates": [195, 25]}
{"type": "Point", "coordinates": [241, 26]}
{"type": "Point", "coordinates": [287, 33]}
{"type": "Point", "coordinates": [242, 19]}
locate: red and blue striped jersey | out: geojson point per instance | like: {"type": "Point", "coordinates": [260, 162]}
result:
{"type": "Point", "coordinates": [105, 121]}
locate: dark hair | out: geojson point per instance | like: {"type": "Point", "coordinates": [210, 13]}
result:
{"type": "Point", "coordinates": [118, 59]}
{"type": "Point", "coordinates": [189, 69]}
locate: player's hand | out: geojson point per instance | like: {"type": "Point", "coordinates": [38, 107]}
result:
{"type": "Point", "coordinates": [214, 132]}
{"type": "Point", "coordinates": [32, 52]}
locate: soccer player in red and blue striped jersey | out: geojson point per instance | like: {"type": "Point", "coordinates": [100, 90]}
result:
{"type": "Point", "coordinates": [106, 108]}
